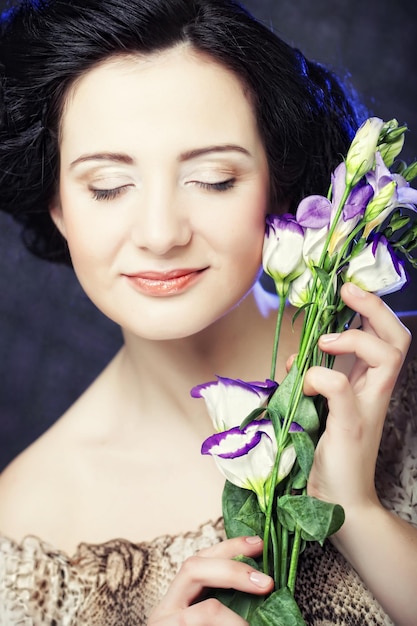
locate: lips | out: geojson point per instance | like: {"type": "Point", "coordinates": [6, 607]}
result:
{"type": "Point", "coordinates": [164, 283]}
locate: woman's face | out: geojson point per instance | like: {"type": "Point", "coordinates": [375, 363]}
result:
{"type": "Point", "coordinates": [163, 191]}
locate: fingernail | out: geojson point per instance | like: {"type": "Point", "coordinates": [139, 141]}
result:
{"type": "Point", "coordinates": [260, 580]}
{"type": "Point", "coordinates": [330, 337]}
{"type": "Point", "coordinates": [254, 539]}
{"type": "Point", "coordinates": [355, 290]}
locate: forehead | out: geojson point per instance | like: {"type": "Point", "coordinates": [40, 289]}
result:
{"type": "Point", "coordinates": [172, 94]}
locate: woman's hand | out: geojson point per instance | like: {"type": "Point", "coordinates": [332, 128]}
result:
{"type": "Point", "coordinates": [380, 546]}
{"type": "Point", "coordinates": [344, 465]}
{"type": "Point", "coordinates": [214, 567]}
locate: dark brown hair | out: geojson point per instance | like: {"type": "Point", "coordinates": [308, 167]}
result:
{"type": "Point", "coordinates": [304, 116]}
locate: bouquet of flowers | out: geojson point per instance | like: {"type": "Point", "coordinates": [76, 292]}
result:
{"type": "Point", "coordinates": [363, 232]}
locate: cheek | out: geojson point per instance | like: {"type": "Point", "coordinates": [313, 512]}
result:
{"type": "Point", "coordinates": [90, 236]}
{"type": "Point", "coordinates": [246, 227]}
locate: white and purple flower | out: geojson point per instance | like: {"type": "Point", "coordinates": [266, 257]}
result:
{"type": "Point", "coordinates": [377, 268]}
{"type": "Point", "coordinates": [229, 401]}
{"type": "Point", "coordinates": [316, 214]}
{"type": "Point", "coordinates": [282, 255]}
{"type": "Point", "coordinates": [246, 457]}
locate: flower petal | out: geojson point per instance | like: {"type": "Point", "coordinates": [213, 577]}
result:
{"type": "Point", "coordinates": [314, 212]}
{"type": "Point", "coordinates": [245, 457]}
{"type": "Point", "coordinates": [377, 268]}
{"type": "Point", "coordinates": [229, 401]}
{"type": "Point", "coordinates": [282, 250]}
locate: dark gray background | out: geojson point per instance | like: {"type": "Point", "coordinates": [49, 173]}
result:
{"type": "Point", "coordinates": [53, 341]}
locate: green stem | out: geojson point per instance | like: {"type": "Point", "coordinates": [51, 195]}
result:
{"type": "Point", "coordinates": [268, 515]}
{"type": "Point", "coordinates": [284, 557]}
{"type": "Point", "coordinates": [294, 560]}
{"type": "Point", "coordinates": [276, 551]}
{"type": "Point", "coordinates": [278, 325]}
{"type": "Point", "coordinates": [311, 326]}
{"type": "Point", "coordinates": [311, 313]}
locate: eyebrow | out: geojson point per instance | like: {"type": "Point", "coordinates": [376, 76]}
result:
{"type": "Point", "coordinates": [116, 157]}
{"type": "Point", "coordinates": [193, 154]}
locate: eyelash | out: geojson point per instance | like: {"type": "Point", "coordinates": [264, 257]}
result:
{"type": "Point", "coordinates": [224, 185]}
{"type": "Point", "coordinates": [107, 194]}
{"type": "Point", "coordinates": [112, 194]}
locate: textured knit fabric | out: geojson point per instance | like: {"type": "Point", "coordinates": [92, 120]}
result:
{"type": "Point", "coordinates": [118, 582]}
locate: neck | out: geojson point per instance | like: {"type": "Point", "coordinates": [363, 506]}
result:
{"type": "Point", "coordinates": [155, 377]}
{"type": "Point", "coordinates": [218, 349]}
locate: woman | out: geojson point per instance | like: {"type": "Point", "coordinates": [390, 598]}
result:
{"type": "Point", "coordinates": [144, 143]}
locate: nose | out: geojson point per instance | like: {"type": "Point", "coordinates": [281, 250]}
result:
{"type": "Point", "coordinates": [161, 222]}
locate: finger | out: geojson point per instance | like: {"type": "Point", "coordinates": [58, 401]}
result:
{"type": "Point", "coordinates": [335, 387]}
{"type": "Point", "coordinates": [370, 348]}
{"type": "Point", "coordinates": [377, 317]}
{"type": "Point", "coordinates": [290, 361]}
{"type": "Point", "coordinates": [344, 415]}
{"type": "Point", "coordinates": [209, 612]}
{"type": "Point", "coordinates": [198, 573]}
{"type": "Point", "coordinates": [248, 546]}
{"type": "Point", "coordinates": [380, 361]}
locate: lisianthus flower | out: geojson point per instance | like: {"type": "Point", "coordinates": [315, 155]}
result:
{"type": "Point", "coordinates": [361, 155]}
{"type": "Point", "coordinates": [299, 293]}
{"type": "Point", "coordinates": [316, 213]}
{"type": "Point", "coordinates": [246, 457]}
{"type": "Point", "coordinates": [229, 401]}
{"type": "Point", "coordinates": [390, 191]}
{"type": "Point", "coordinates": [282, 250]}
{"type": "Point", "coordinates": [377, 268]}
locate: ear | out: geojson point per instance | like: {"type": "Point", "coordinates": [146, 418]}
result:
{"type": "Point", "coordinates": [55, 211]}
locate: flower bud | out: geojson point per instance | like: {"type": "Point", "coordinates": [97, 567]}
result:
{"type": "Point", "coordinates": [300, 289]}
{"type": "Point", "coordinates": [361, 155]}
{"type": "Point", "coordinates": [380, 207]}
{"type": "Point", "coordinates": [391, 141]}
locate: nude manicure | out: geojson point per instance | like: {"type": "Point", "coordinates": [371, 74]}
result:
{"type": "Point", "coordinates": [260, 580]}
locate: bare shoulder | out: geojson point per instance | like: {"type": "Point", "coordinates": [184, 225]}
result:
{"type": "Point", "coordinates": [32, 486]}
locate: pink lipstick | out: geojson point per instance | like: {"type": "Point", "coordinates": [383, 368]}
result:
{"type": "Point", "coordinates": [160, 284]}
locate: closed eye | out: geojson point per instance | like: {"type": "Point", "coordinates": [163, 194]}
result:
{"type": "Point", "coordinates": [108, 194]}
{"type": "Point", "coordinates": [223, 185]}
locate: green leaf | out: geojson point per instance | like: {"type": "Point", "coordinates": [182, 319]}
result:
{"type": "Point", "coordinates": [325, 279]}
{"type": "Point", "coordinates": [299, 481]}
{"type": "Point", "coordinates": [357, 248]}
{"type": "Point", "coordinates": [316, 519]}
{"type": "Point", "coordinates": [241, 512]}
{"type": "Point", "coordinates": [304, 448]}
{"type": "Point", "coordinates": [306, 414]}
{"type": "Point", "coordinates": [280, 609]}
{"type": "Point", "coordinates": [244, 604]}
{"type": "Point", "coordinates": [410, 172]}
{"type": "Point", "coordinates": [253, 415]}
{"type": "Point", "coordinates": [344, 318]}
{"type": "Point", "coordinates": [299, 311]}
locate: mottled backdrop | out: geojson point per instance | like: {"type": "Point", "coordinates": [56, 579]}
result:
{"type": "Point", "coordinates": [53, 342]}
